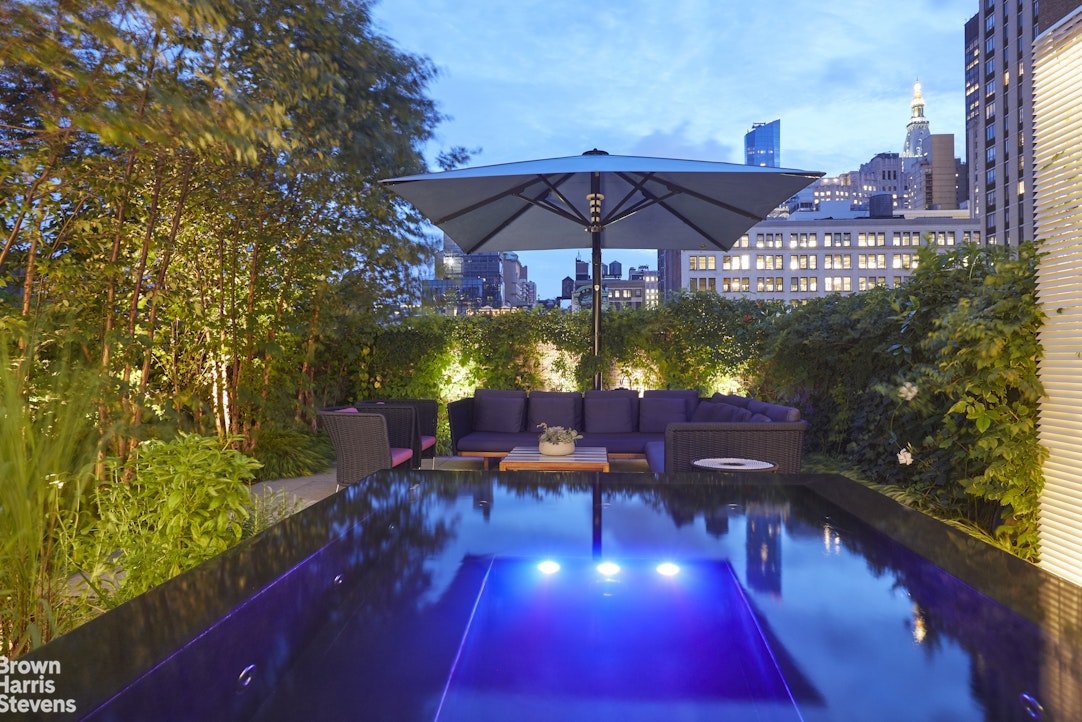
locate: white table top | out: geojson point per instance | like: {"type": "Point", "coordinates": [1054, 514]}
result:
{"type": "Point", "coordinates": [734, 464]}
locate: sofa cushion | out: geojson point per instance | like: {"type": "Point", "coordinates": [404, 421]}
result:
{"type": "Point", "coordinates": [495, 410]}
{"type": "Point", "coordinates": [717, 412]}
{"type": "Point", "coordinates": [776, 412]}
{"type": "Point", "coordinates": [657, 412]}
{"type": "Point", "coordinates": [495, 441]}
{"type": "Point", "coordinates": [655, 456]}
{"type": "Point", "coordinates": [741, 401]}
{"type": "Point", "coordinates": [608, 415]}
{"type": "Point", "coordinates": [400, 455]}
{"type": "Point", "coordinates": [555, 408]}
{"type": "Point", "coordinates": [620, 443]}
{"type": "Point", "coordinates": [760, 419]}
{"type": "Point", "coordinates": [690, 397]}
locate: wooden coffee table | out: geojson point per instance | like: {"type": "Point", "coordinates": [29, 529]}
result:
{"type": "Point", "coordinates": [528, 458]}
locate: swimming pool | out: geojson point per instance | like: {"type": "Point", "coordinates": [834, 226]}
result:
{"type": "Point", "coordinates": [533, 596]}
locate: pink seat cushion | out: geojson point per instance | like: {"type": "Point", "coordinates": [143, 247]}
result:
{"type": "Point", "coordinates": [399, 456]}
{"type": "Point", "coordinates": [427, 442]}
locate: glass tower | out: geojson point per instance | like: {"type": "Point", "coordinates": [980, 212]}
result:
{"type": "Point", "coordinates": [762, 144]}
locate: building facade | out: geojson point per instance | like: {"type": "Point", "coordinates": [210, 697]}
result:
{"type": "Point", "coordinates": [762, 144]}
{"type": "Point", "coordinates": [794, 260]}
{"type": "Point", "coordinates": [999, 116]}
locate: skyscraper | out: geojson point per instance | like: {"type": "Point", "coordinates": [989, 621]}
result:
{"type": "Point", "coordinates": [1000, 63]}
{"type": "Point", "coordinates": [762, 144]}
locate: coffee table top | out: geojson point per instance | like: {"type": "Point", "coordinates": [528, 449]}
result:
{"type": "Point", "coordinates": [734, 464]}
{"type": "Point", "coordinates": [583, 458]}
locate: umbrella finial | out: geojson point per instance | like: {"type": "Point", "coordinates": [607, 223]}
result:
{"type": "Point", "coordinates": [595, 151]}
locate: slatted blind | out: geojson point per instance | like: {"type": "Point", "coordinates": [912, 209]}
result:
{"type": "Point", "coordinates": [1057, 110]}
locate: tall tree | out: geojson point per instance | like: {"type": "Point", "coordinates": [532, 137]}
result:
{"type": "Point", "coordinates": [191, 180]}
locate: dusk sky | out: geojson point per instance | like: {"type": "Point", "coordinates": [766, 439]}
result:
{"type": "Point", "coordinates": [682, 79]}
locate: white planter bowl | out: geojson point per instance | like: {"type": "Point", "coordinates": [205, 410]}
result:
{"type": "Point", "coordinates": [562, 448]}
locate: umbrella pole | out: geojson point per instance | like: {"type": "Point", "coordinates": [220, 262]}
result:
{"type": "Point", "coordinates": [595, 199]}
{"type": "Point", "coordinates": [597, 305]}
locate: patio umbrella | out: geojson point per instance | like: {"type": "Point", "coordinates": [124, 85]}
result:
{"type": "Point", "coordinates": [599, 201]}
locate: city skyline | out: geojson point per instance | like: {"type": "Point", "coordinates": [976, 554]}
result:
{"type": "Point", "coordinates": [684, 80]}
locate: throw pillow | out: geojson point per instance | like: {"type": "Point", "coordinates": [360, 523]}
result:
{"type": "Point", "coordinates": [499, 410]}
{"type": "Point", "coordinates": [555, 408]}
{"type": "Point", "coordinates": [713, 412]}
{"type": "Point", "coordinates": [609, 415]}
{"type": "Point", "coordinates": [656, 412]}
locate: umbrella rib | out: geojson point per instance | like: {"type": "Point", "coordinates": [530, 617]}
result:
{"type": "Point", "coordinates": [577, 216]}
{"type": "Point", "coordinates": [616, 214]}
{"type": "Point", "coordinates": [515, 192]}
{"type": "Point", "coordinates": [712, 201]}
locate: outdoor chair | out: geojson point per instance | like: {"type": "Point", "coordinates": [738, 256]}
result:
{"type": "Point", "coordinates": [423, 436]}
{"type": "Point", "coordinates": [362, 444]}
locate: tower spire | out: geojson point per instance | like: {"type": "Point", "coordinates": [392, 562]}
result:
{"type": "Point", "coordinates": [917, 104]}
{"type": "Point", "coordinates": [918, 137]}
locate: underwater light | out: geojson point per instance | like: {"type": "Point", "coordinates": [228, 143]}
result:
{"type": "Point", "coordinates": [608, 568]}
{"type": "Point", "coordinates": [668, 569]}
{"type": "Point", "coordinates": [548, 567]}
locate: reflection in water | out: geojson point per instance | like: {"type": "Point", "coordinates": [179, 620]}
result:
{"type": "Point", "coordinates": [764, 526]}
{"type": "Point", "coordinates": [867, 627]}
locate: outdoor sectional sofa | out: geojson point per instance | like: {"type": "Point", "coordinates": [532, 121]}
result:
{"type": "Point", "coordinates": [669, 428]}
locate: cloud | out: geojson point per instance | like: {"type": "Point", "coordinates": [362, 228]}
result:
{"type": "Point", "coordinates": [685, 78]}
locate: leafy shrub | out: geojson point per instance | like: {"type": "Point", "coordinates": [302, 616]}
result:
{"type": "Point", "coordinates": [47, 449]}
{"type": "Point", "coordinates": [288, 454]}
{"type": "Point", "coordinates": [170, 506]}
{"type": "Point", "coordinates": [267, 508]}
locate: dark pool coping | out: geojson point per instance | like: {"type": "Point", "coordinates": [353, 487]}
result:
{"type": "Point", "coordinates": [108, 655]}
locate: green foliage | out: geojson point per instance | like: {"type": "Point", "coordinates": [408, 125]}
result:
{"type": "Point", "coordinates": [47, 449]}
{"type": "Point", "coordinates": [288, 454]}
{"type": "Point", "coordinates": [963, 332]}
{"type": "Point", "coordinates": [986, 364]}
{"type": "Point", "coordinates": [193, 183]}
{"type": "Point", "coordinates": [267, 508]}
{"type": "Point", "coordinates": [170, 506]}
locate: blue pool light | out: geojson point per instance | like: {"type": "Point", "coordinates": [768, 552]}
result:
{"type": "Point", "coordinates": [609, 569]}
{"type": "Point", "coordinates": [668, 569]}
{"type": "Point", "coordinates": [548, 567]}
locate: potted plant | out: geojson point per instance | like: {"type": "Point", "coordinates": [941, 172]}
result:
{"type": "Point", "coordinates": [556, 440]}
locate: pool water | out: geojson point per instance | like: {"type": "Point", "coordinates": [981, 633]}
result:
{"type": "Point", "coordinates": [521, 596]}
{"type": "Point", "coordinates": [782, 608]}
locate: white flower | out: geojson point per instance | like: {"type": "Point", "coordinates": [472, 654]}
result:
{"type": "Point", "coordinates": [904, 457]}
{"type": "Point", "coordinates": [908, 390]}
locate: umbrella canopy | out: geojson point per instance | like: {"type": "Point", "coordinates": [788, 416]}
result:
{"type": "Point", "coordinates": [600, 201]}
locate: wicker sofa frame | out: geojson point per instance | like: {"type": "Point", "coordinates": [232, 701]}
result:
{"type": "Point", "coordinates": [779, 442]}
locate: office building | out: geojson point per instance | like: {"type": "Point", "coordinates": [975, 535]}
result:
{"type": "Point", "coordinates": [464, 282]}
{"type": "Point", "coordinates": [999, 115]}
{"type": "Point", "coordinates": [811, 255]}
{"type": "Point", "coordinates": [762, 144]}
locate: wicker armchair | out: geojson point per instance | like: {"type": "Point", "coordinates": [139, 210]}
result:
{"type": "Point", "coordinates": [361, 444]}
{"type": "Point", "coordinates": [779, 442]}
{"type": "Point", "coordinates": [423, 435]}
